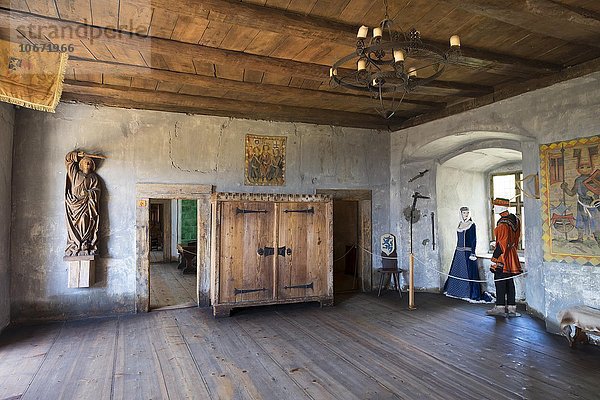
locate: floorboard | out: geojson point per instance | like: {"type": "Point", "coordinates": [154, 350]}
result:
{"type": "Point", "coordinates": [22, 352]}
{"type": "Point", "coordinates": [365, 347]}
{"type": "Point", "coordinates": [169, 287]}
{"type": "Point", "coordinates": [79, 365]}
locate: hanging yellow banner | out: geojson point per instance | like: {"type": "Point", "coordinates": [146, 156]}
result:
{"type": "Point", "coordinates": [31, 75]}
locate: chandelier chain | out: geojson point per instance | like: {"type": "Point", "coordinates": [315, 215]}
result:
{"type": "Point", "coordinates": [385, 4]}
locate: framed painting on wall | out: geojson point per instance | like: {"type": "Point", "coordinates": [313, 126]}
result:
{"type": "Point", "coordinates": [265, 160]}
{"type": "Point", "coordinates": [570, 176]}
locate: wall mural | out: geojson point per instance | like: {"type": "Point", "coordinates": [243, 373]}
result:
{"type": "Point", "coordinates": [570, 173]}
{"type": "Point", "coordinates": [265, 160]}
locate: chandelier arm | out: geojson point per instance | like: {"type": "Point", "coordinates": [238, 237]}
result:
{"type": "Point", "coordinates": [344, 60]}
{"type": "Point", "coordinates": [347, 85]}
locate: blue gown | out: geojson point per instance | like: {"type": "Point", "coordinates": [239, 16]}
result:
{"type": "Point", "coordinates": [463, 267]}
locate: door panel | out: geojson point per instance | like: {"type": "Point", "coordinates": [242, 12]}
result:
{"type": "Point", "coordinates": [246, 275]}
{"type": "Point", "coordinates": [302, 272]}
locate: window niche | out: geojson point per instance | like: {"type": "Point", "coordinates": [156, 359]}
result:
{"type": "Point", "coordinates": [506, 183]}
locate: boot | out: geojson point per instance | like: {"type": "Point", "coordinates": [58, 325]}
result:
{"type": "Point", "coordinates": [512, 311]}
{"type": "Point", "coordinates": [497, 311]}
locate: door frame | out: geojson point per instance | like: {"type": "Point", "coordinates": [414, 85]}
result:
{"type": "Point", "coordinates": [365, 228]}
{"type": "Point", "coordinates": [158, 191]}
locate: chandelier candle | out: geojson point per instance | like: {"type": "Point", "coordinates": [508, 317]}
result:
{"type": "Point", "coordinates": [363, 31]}
{"type": "Point", "coordinates": [454, 41]}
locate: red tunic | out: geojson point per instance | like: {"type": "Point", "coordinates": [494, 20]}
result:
{"type": "Point", "coordinates": [508, 233]}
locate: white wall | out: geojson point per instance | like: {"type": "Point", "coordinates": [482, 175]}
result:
{"type": "Point", "coordinates": [154, 147]}
{"type": "Point", "coordinates": [564, 111]}
{"type": "Point", "coordinates": [7, 114]}
{"type": "Point", "coordinates": [457, 188]}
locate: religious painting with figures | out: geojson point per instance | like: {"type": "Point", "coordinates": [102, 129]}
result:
{"type": "Point", "coordinates": [570, 173]}
{"type": "Point", "coordinates": [265, 160]}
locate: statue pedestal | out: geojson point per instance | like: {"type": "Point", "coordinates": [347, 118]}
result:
{"type": "Point", "coordinates": [82, 271]}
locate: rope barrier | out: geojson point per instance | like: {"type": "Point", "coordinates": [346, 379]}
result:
{"type": "Point", "coordinates": [338, 259]}
{"type": "Point", "coordinates": [443, 273]}
{"type": "Point", "coordinates": [468, 280]}
{"type": "Point", "coordinates": [376, 255]}
{"type": "Point", "coordinates": [420, 262]}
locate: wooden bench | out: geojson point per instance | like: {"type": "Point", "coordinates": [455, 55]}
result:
{"type": "Point", "coordinates": [187, 254]}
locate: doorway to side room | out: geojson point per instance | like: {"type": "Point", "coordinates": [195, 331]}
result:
{"type": "Point", "coordinates": [346, 276]}
{"type": "Point", "coordinates": [352, 267]}
{"type": "Point", "coordinates": [172, 253]}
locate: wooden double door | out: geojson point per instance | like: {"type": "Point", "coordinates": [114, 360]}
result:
{"type": "Point", "coordinates": [273, 252]}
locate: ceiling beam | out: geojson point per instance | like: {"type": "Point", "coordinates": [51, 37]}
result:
{"type": "Point", "coordinates": [290, 23]}
{"type": "Point", "coordinates": [504, 92]}
{"type": "Point", "coordinates": [127, 97]}
{"type": "Point", "coordinates": [461, 89]}
{"type": "Point", "coordinates": [235, 12]}
{"type": "Point", "coordinates": [90, 37]}
{"type": "Point", "coordinates": [248, 90]}
{"type": "Point", "coordinates": [546, 17]}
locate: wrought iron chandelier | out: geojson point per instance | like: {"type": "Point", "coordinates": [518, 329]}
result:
{"type": "Point", "coordinates": [389, 68]}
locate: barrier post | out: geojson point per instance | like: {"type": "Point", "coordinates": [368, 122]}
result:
{"type": "Point", "coordinates": [411, 283]}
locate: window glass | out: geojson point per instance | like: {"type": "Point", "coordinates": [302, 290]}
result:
{"type": "Point", "coordinates": [504, 186]}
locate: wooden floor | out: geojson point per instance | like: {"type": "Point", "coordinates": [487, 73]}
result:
{"type": "Point", "coordinates": [169, 287]}
{"type": "Point", "coordinates": [363, 348]}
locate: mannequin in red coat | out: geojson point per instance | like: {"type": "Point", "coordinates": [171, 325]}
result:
{"type": "Point", "coordinates": [505, 260]}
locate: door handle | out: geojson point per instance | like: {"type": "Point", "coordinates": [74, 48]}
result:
{"type": "Point", "coordinates": [265, 251]}
{"type": "Point", "coordinates": [283, 251]}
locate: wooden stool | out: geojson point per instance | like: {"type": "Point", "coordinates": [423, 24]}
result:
{"type": "Point", "coordinates": [394, 276]}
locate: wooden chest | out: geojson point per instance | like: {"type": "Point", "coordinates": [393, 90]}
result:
{"type": "Point", "coordinates": [270, 249]}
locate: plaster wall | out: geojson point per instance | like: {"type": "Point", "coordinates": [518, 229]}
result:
{"type": "Point", "coordinates": [560, 112]}
{"type": "Point", "coordinates": [457, 188]}
{"type": "Point", "coordinates": [7, 115]}
{"type": "Point", "coordinates": [154, 147]}
{"type": "Point", "coordinates": [427, 260]}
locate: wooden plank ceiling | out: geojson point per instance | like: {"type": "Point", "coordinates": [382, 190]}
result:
{"type": "Point", "coordinates": [270, 59]}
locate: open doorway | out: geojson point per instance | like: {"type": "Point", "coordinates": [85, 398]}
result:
{"type": "Point", "coordinates": [160, 231]}
{"type": "Point", "coordinates": [352, 226]}
{"type": "Point", "coordinates": [172, 253]}
{"type": "Point", "coordinates": [346, 276]}
{"type": "Point", "coordinates": [201, 194]}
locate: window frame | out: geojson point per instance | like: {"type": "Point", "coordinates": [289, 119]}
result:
{"type": "Point", "coordinates": [517, 203]}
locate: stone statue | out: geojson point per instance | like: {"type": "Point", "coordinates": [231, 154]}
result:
{"type": "Point", "coordinates": [82, 196]}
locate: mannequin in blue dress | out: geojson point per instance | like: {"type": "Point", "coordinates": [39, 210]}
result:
{"type": "Point", "coordinates": [464, 263]}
